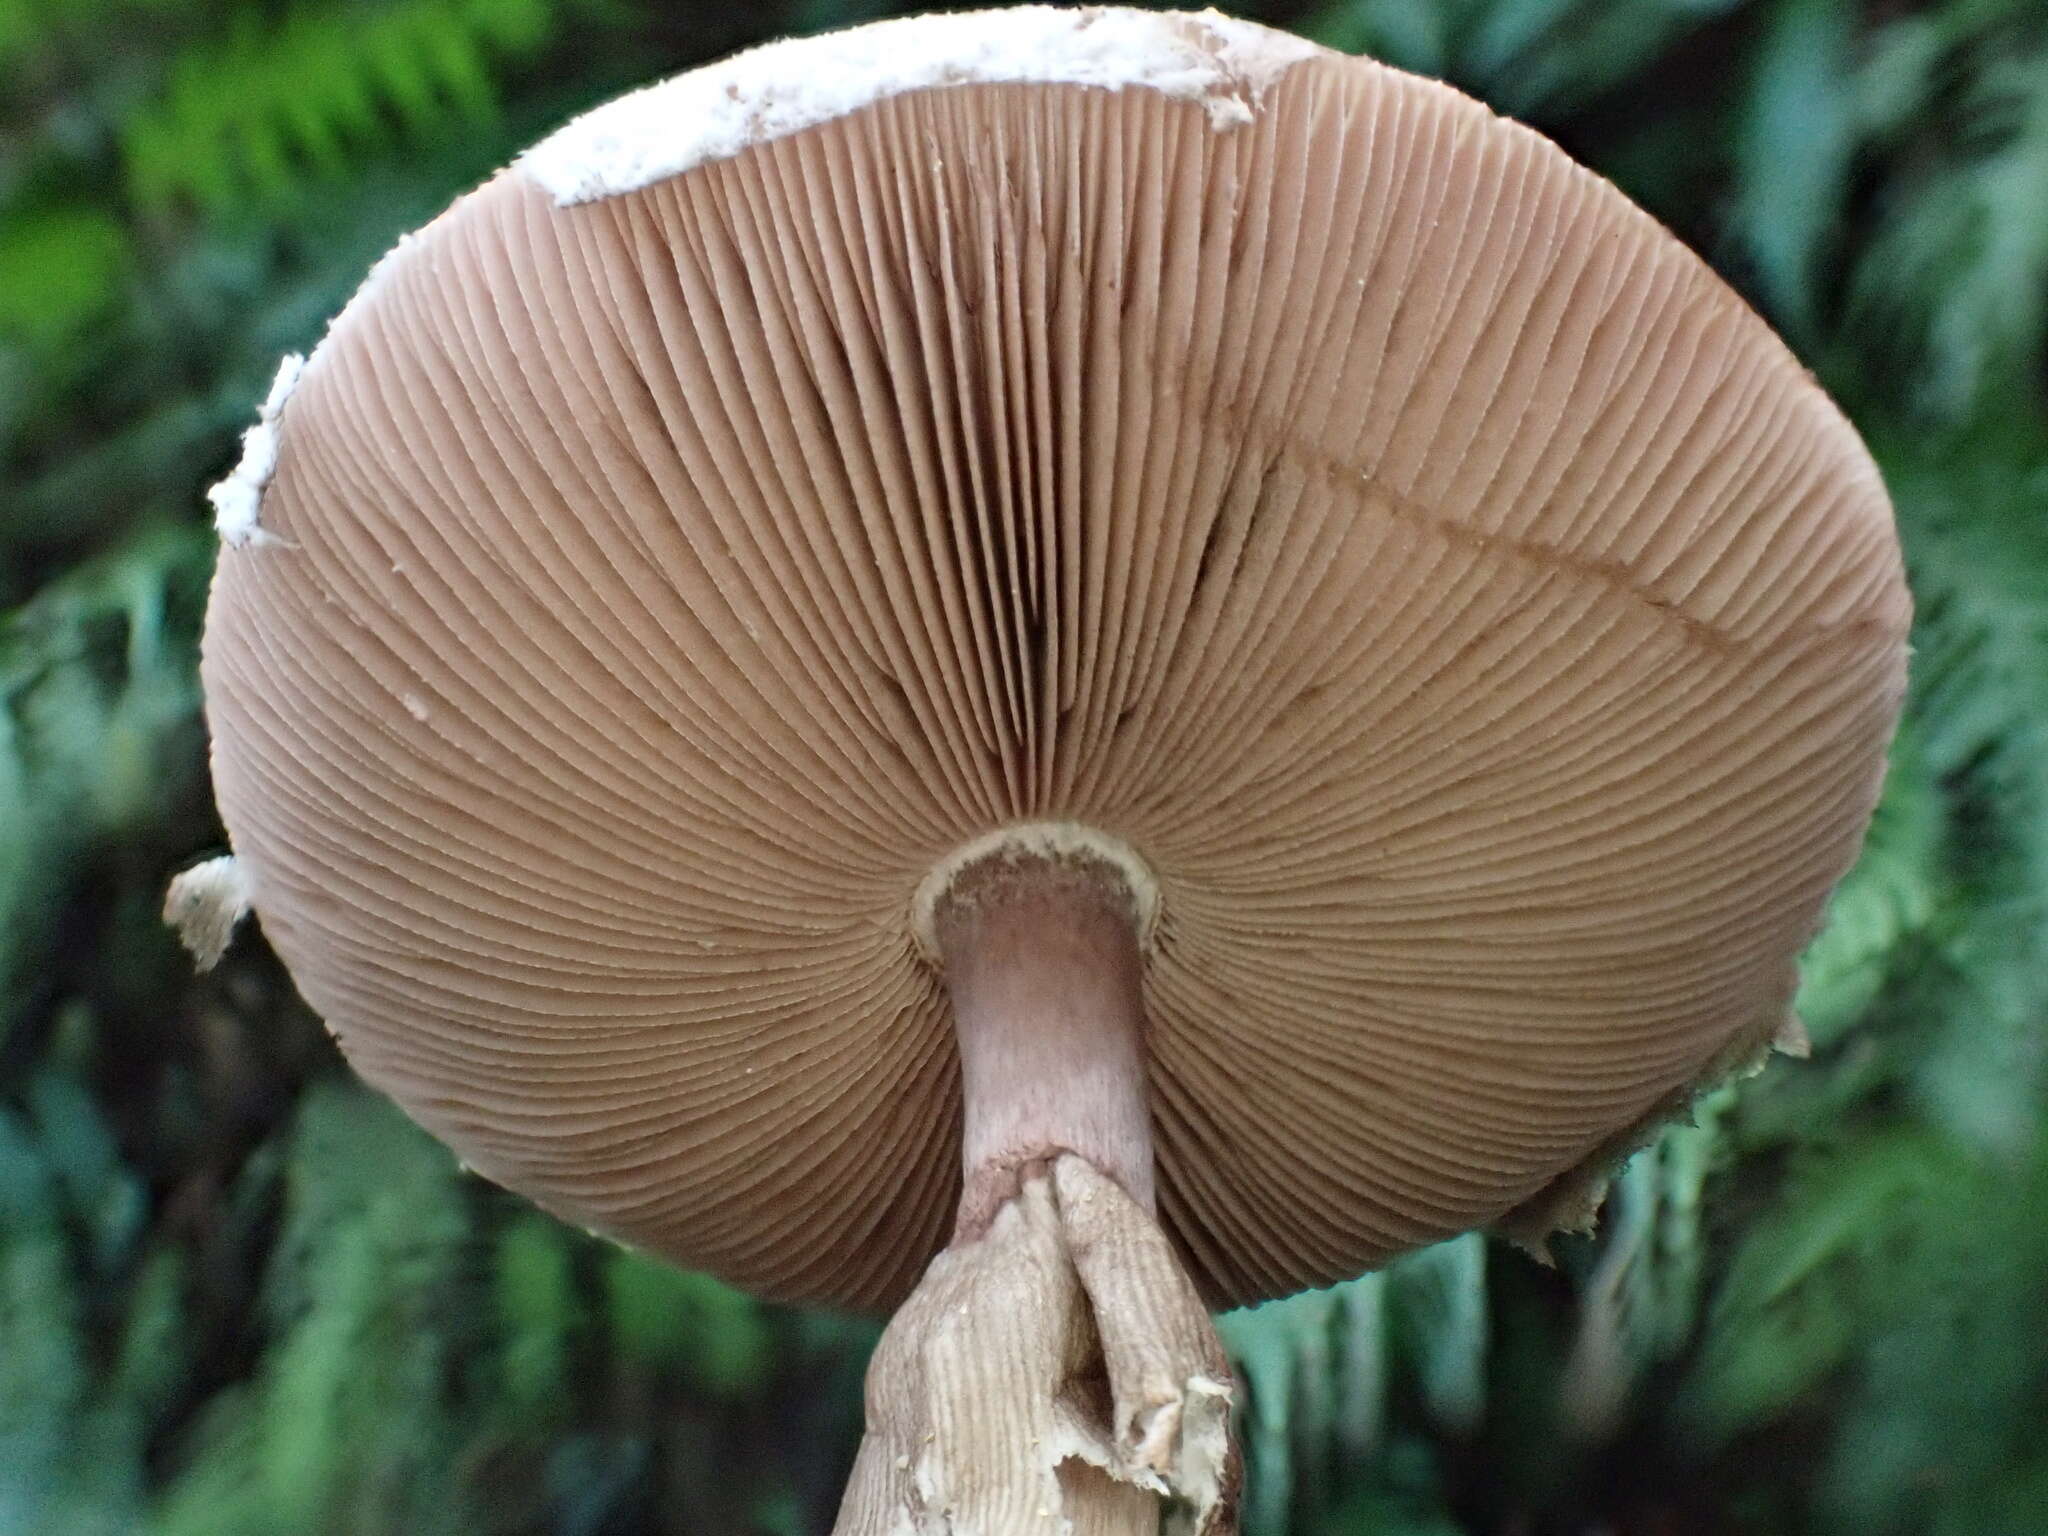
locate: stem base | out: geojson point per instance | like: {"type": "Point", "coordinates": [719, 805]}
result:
{"type": "Point", "coordinates": [1057, 1376]}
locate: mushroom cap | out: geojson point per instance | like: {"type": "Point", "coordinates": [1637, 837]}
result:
{"type": "Point", "coordinates": [1481, 628]}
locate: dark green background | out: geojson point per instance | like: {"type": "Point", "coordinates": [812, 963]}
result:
{"type": "Point", "coordinates": [239, 1294]}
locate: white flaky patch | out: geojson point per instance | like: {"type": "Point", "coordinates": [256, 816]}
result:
{"type": "Point", "coordinates": [782, 88]}
{"type": "Point", "coordinates": [204, 904]}
{"type": "Point", "coordinates": [237, 499]}
{"type": "Point", "coordinates": [1064, 841]}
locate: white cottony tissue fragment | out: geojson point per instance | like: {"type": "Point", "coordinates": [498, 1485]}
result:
{"type": "Point", "coordinates": [204, 904]}
{"type": "Point", "coordinates": [782, 88]}
{"type": "Point", "coordinates": [237, 498]}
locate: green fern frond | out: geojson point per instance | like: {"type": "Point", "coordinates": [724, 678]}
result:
{"type": "Point", "coordinates": [1319, 1370]}
{"type": "Point", "coordinates": [97, 702]}
{"type": "Point", "coordinates": [1437, 1301]}
{"type": "Point", "coordinates": [1975, 507]}
{"type": "Point", "coordinates": [43, 1360]}
{"type": "Point", "coordinates": [1940, 1422]}
{"type": "Point", "coordinates": [344, 1426]}
{"type": "Point", "coordinates": [537, 1314]}
{"type": "Point", "coordinates": [1889, 898]}
{"type": "Point", "coordinates": [1283, 1352]}
{"type": "Point", "coordinates": [71, 1442]}
{"type": "Point", "coordinates": [1798, 135]}
{"type": "Point", "coordinates": [61, 268]}
{"type": "Point", "coordinates": [1523, 57]}
{"type": "Point", "coordinates": [264, 109]}
{"type": "Point", "coordinates": [1788, 1312]}
{"type": "Point", "coordinates": [665, 1319]}
{"type": "Point", "coordinates": [1638, 1298]}
{"type": "Point", "coordinates": [1952, 290]}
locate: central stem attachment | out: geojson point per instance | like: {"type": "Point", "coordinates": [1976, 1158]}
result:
{"type": "Point", "coordinates": [1041, 962]}
{"type": "Point", "coordinates": [1055, 1373]}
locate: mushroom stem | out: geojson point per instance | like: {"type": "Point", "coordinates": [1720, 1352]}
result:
{"type": "Point", "coordinates": [1041, 962]}
{"type": "Point", "coordinates": [1055, 1372]}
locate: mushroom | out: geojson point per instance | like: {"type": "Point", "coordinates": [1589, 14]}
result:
{"type": "Point", "coordinates": [1048, 669]}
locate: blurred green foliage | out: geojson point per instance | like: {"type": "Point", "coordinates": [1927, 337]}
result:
{"type": "Point", "coordinates": [239, 1293]}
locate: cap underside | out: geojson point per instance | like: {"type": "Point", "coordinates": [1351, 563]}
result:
{"type": "Point", "coordinates": [1459, 602]}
